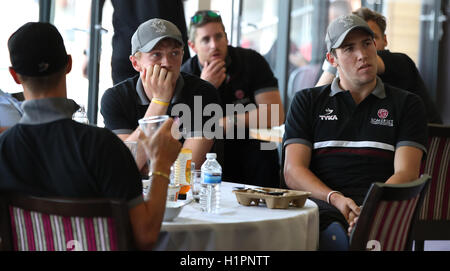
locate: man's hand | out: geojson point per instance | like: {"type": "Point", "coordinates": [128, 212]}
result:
{"type": "Point", "coordinates": [346, 205]}
{"type": "Point", "coordinates": [352, 225]}
{"type": "Point", "coordinates": [214, 72]}
{"type": "Point", "coordinates": [158, 83]}
{"type": "Point", "coordinates": [162, 148]}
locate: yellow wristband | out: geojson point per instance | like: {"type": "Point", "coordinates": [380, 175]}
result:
{"type": "Point", "coordinates": [157, 101]}
{"type": "Point", "coordinates": [159, 173]}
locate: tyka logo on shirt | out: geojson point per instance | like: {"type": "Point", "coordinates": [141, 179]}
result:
{"type": "Point", "coordinates": [328, 115]}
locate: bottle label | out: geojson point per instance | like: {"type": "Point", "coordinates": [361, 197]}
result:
{"type": "Point", "coordinates": [212, 178]}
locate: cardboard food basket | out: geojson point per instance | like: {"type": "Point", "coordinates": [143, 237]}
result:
{"type": "Point", "coordinates": [274, 198]}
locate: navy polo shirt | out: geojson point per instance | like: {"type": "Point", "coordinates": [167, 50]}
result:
{"type": "Point", "coordinates": [354, 145]}
{"type": "Point", "coordinates": [401, 71]}
{"type": "Point", "coordinates": [124, 104]}
{"type": "Point", "coordinates": [48, 154]}
{"type": "Point", "coordinates": [248, 74]}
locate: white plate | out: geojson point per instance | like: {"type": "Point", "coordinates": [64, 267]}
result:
{"type": "Point", "coordinates": [178, 203]}
{"type": "Point", "coordinates": [173, 209]}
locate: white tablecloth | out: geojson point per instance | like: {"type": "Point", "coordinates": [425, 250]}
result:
{"type": "Point", "coordinates": [239, 227]}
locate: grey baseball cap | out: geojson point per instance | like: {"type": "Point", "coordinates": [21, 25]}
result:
{"type": "Point", "coordinates": [341, 27]}
{"type": "Point", "coordinates": [151, 32]}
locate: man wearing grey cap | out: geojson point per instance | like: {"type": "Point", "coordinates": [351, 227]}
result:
{"type": "Point", "coordinates": [340, 138]}
{"type": "Point", "coordinates": [396, 69]}
{"type": "Point", "coordinates": [157, 53]}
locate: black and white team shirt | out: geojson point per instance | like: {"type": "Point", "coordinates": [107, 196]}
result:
{"type": "Point", "coordinates": [353, 145]}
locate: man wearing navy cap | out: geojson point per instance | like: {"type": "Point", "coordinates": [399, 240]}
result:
{"type": "Point", "coordinates": [49, 155]}
{"type": "Point", "coordinates": [340, 138]}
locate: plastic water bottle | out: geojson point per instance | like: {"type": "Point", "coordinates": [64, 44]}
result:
{"type": "Point", "coordinates": [210, 191]}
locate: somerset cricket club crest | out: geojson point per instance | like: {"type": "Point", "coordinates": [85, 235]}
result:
{"type": "Point", "coordinates": [346, 21]}
{"type": "Point", "coordinates": [383, 113]}
{"type": "Point", "coordinates": [159, 26]}
{"type": "Point", "coordinates": [382, 119]}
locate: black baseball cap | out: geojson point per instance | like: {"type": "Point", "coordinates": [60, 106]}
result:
{"type": "Point", "coordinates": [37, 49]}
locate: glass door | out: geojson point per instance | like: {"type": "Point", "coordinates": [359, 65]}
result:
{"type": "Point", "coordinates": [11, 21]}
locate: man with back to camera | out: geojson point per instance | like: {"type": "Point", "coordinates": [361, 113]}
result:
{"type": "Point", "coordinates": [49, 155]}
{"type": "Point", "coordinates": [157, 53]}
{"type": "Point", "coordinates": [340, 138]}
{"type": "Point", "coordinates": [242, 77]}
{"type": "Point", "coordinates": [396, 69]}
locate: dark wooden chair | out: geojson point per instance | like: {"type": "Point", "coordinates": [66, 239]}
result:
{"type": "Point", "coordinates": [30, 223]}
{"type": "Point", "coordinates": [434, 216]}
{"type": "Point", "coordinates": [387, 215]}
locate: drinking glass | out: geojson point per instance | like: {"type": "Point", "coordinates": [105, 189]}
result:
{"type": "Point", "coordinates": [150, 125]}
{"type": "Point", "coordinates": [196, 183]}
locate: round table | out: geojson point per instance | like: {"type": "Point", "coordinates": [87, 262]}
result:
{"type": "Point", "coordinates": [238, 227]}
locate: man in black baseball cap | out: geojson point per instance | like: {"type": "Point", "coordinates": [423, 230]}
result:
{"type": "Point", "coordinates": [37, 49]}
{"type": "Point", "coordinates": [49, 155]}
{"type": "Point", "coordinates": [39, 59]}
{"type": "Point", "coordinates": [340, 138]}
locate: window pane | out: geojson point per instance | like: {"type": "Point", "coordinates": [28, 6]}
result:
{"type": "Point", "coordinates": [14, 14]}
{"type": "Point", "coordinates": [72, 18]}
{"type": "Point", "coordinates": [309, 21]}
{"type": "Point", "coordinates": [259, 25]}
{"type": "Point", "coordinates": [226, 9]}
{"type": "Point", "coordinates": [403, 26]}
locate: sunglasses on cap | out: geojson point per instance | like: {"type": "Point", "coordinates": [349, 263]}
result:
{"type": "Point", "coordinates": [201, 16]}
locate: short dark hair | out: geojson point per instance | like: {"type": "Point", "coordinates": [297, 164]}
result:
{"type": "Point", "coordinates": [369, 15]}
{"type": "Point", "coordinates": [206, 19]}
{"type": "Point", "coordinates": [40, 84]}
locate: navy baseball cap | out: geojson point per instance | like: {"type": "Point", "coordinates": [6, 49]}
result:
{"type": "Point", "coordinates": [37, 49]}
